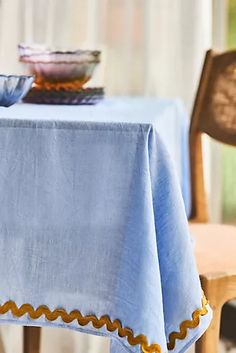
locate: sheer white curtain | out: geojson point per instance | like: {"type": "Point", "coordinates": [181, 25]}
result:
{"type": "Point", "coordinates": [151, 47]}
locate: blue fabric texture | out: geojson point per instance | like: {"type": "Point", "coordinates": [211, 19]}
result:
{"type": "Point", "coordinates": [92, 218]}
{"type": "Point", "coordinates": [168, 116]}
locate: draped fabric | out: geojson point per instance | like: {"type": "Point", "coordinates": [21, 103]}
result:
{"type": "Point", "coordinates": [93, 230]}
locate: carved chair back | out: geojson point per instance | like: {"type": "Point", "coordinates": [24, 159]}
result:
{"type": "Point", "coordinates": [214, 113]}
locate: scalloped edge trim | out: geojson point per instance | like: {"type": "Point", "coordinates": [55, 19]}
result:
{"type": "Point", "coordinates": [82, 321]}
{"type": "Point", "coordinates": [104, 320]}
{"type": "Point", "coordinates": [188, 324]}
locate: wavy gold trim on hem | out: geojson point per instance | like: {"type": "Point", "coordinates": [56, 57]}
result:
{"type": "Point", "coordinates": [188, 324]}
{"type": "Point", "coordinates": [82, 321]}
{"type": "Point", "coordinates": [111, 326]}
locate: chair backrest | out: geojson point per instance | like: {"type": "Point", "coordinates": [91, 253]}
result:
{"type": "Point", "coordinates": [214, 113]}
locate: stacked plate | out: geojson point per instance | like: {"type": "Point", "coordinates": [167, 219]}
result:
{"type": "Point", "coordinates": [60, 75]}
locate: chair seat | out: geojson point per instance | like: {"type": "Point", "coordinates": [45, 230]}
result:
{"type": "Point", "coordinates": [215, 248]}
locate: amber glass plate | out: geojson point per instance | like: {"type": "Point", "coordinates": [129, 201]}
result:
{"type": "Point", "coordinates": [84, 96]}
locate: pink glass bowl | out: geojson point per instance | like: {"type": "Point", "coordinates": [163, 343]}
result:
{"type": "Point", "coordinates": [60, 66]}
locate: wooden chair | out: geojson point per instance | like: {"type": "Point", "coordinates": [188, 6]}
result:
{"type": "Point", "coordinates": [214, 113]}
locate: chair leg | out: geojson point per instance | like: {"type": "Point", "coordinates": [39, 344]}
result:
{"type": "Point", "coordinates": [31, 339]}
{"type": "Point", "coordinates": [209, 342]}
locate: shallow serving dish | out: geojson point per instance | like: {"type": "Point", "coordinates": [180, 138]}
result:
{"type": "Point", "coordinates": [60, 66]}
{"type": "Point", "coordinates": [13, 88]}
{"type": "Point", "coordinates": [83, 96]}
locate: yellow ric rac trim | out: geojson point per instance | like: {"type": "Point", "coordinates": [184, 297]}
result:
{"type": "Point", "coordinates": [185, 325]}
{"type": "Point", "coordinates": [82, 321]}
{"type": "Point", "coordinates": [103, 321]}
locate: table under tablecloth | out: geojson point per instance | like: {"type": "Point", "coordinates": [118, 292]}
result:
{"type": "Point", "coordinates": [93, 231]}
{"type": "Point", "coordinates": [167, 115]}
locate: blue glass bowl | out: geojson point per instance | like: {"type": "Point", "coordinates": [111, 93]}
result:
{"type": "Point", "coordinates": [13, 88]}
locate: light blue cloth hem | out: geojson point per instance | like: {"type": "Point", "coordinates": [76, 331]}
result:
{"type": "Point", "coordinates": [118, 345]}
{"type": "Point", "coordinates": [38, 323]}
{"type": "Point", "coordinates": [194, 334]}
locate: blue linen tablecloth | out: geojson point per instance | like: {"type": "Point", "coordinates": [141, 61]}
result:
{"type": "Point", "coordinates": [93, 231]}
